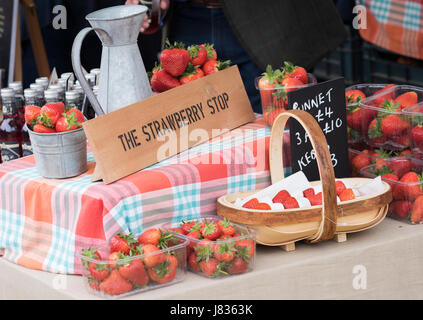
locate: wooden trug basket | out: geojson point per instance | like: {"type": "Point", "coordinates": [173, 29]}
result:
{"type": "Point", "coordinates": [315, 224]}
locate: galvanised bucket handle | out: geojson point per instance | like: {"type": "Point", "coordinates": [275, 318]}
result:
{"type": "Point", "coordinates": [77, 68]}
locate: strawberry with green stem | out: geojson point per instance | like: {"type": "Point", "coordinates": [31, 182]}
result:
{"type": "Point", "coordinates": [191, 73]}
{"type": "Point", "coordinates": [226, 227]}
{"type": "Point", "coordinates": [290, 70]}
{"type": "Point", "coordinates": [213, 66]}
{"type": "Point", "coordinates": [174, 58]}
{"type": "Point", "coordinates": [122, 243]}
{"type": "Point", "coordinates": [165, 271]}
{"type": "Point", "coordinates": [211, 230]}
{"type": "Point", "coordinates": [225, 252]}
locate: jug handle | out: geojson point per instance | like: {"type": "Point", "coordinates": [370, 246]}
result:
{"type": "Point", "coordinates": [77, 68]}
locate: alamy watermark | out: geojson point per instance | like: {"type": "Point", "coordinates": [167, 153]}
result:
{"type": "Point", "coordinates": [359, 281]}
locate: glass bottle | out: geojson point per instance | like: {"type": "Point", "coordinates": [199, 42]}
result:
{"type": "Point", "coordinates": [72, 99]}
{"type": "Point", "coordinates": [43, 81]}
{"type": "Point", "coordinates": [20, 101]}
{"type": "Point", "coordinates": [10, 130]}
{"type": "Point", "coordinates": [51, 96]}
{"type": "Point", "coordinates": [61, 90]}
{"type": "Point", "coordinates": [40, 93]}
{"type": "Point", "coordinates": [30, 99]}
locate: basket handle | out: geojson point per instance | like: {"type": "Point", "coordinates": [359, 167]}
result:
{"type": "Point", "coordinates": [327, 175]}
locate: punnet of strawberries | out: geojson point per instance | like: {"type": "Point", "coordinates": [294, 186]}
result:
{"type": "Point", "coordinates": [52, 118]}
{"type": "Point", "coordinates": [274, 85]}
{"type": "Point", "coordinates": [217, 247]}
{"type": "Point", "coordinates": [133, 264]}
{"type": "Point", "coordinates": [404, 175]}
{"type": "Point", "coordinates": [180, 65]}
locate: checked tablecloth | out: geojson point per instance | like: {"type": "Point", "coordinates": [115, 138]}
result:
{"type": "Point", "coordinates": [396, 25]}
{"type": "Point", "coordinates": [45, 222]}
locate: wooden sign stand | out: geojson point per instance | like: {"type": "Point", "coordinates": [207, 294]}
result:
{"type": "Point", "coordinates": [132, 138]}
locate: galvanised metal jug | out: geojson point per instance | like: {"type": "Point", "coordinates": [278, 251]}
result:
{"type": "Point", "coordinates": [123, 79]}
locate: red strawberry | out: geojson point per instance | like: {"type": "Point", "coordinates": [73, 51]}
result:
{"type": "Point", "coordinates": [417, 210]}
{"type": "Point", "coordinates": [270, 117]}
{"type": "Point", "coordinates": [211, 52]}
{"type": "Point", "coordinates": [399, 166]}
{"type": "Point", "coordinates": [152, 255]}
{"type": "Point", "coordinates": [292, 71]}
{"type": "Point", "coordinates": [115, 284]}
{"type": "Point", "coordinates": [162, 81]}
{"type": "Point", "coordinates": [225, 252]}
{"type": "Point", "coordinates": [213, 66]}
{"type": "Point", "coordinates": [354, 96]}
{"type": "Point", "coordinates": [347, 195]}
{"type": "Point", "coordinates": [192, 261]}
{"type": "Point", "coordinates": [50, 113]}
{"type": "Point", "coordinates": [165, 271]}
{"type": "Point", "coordinates": [291, 84]}
{"type": "Point", "coordinates": [406, 99]}
{"type": "Point", "coordinates": [174, 59]}
{"type": "Point", "coordinates": [114, 256]}
{"type": "Point", "coordinates": [71, 120]}
{"type": "Point", "coordinates": [31, 114]}
{"type": "Point", "coordinates": [417, 136]}
{"type": "Point", "coordinates": [99, 271]}
{"type": "Point", "coordinates": [209, 267]}
{"type": "Point", "coordinates": [151, 236]}
{"type": "Point", "coordinates": [198, 55]}
{"type": "Point", "coordinates": [134, 271]}
{"type": "Point", "coordinates": [409, 187]}
{"type": "Point", "coordinates": [261, 206]}
{"type": "Point", "coordinates": [403, 140]}
{"type": "Point", "coordinates": [226, 228]}
{"type": "Point", "coordinates": [266, 85]}
{"type": "Point", "coordinates": [281, 196]}
{"type": "Point", "coordinates": [191, 74]}
{"type": "Point", "coordinates": [94, 284]}
{"type": "Point", "coordinates": [340, 186]}
{"type": "Point", "coordinates": [393, 125]}
{"type": "Point", "coordinates": [291, 203]}
{"type": "Point", "coordinates": [380, 99]}
{"type": "Point", "coordinates": [401, 208]}
{"type": "Point", "coordinates": [122, 243]}
{"type": "Point", "coordinates": [186, 226]}
{"type": "Point", "coordinates": [211, 230]}
{"type": "Point", "coordinates": [251, 203]}
{"type": "Point", "coordinates": [359, 162]}
{"type": "Point", "coordinates": [389, 178]}
{"type": "Point", "coordinates": [196, 234]}
{"type": "Point", "coordinates": [43, 129]}
{"type": "Point", "coordinates": [238, 266]}
{"type": "Point", "coordinates": [316, 200]}
{"type": "Point", "coordinates": [375, 132]}
{"type": "Point", "coordinates": [308, 192]}
{"type": "Point", "coordinates": [245, 248]}
{"type": "Point", "coordinates": [204, 249]}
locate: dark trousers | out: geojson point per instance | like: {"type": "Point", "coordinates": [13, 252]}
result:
{"type": "Point", "coordinates": [193, 23]}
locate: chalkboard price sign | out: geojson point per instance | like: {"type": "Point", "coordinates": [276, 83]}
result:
{"type": "Point", "coordinates": [326, 102]}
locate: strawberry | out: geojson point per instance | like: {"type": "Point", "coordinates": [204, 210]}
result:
{"type": "Point", "coordinates": [122, 243]}
{"type": "Point", "coordinates": [383, 94]}
{"type": "Point", "coordinates": [70, 120]}
{"type": "Point", "coordinates": [174, 58]}
{"type": "Point", "coordinates": [270, 116]}
{"type": "Point", "coordinates": [290, 203]}
{"type": "Point", "coordinates": [417, 210]}
{"type": "Point", "coordinates": [316, 199]}
{"type": "Point", "coordinates": [211, 267]}
{"type": "Point", "coordinates": [281, 196]}
{"type": "Point", "coordinates": [211, 230]}
{"type": "Point", "coordinates": [204, 250]}
{"type": "Point", "coordinates": [192, 261]}
{"type": "Point", "coordinates": [43, 129]}
{"type": "Point", "coordinates": [50, 113]}
{"type": "Point", "coordinates": [162, 81]}
{"type": "Point", "coordinates": [152, 255]}
{"type": "Point", "coordinates": [134, 271]}
{"type": "Point", "coordinates": [196, 234]}
{"type": "Point", "coordinates": [393, 125]}
{"type": "Point", "coordinates": [340, 186]}
{"type": "Point", "coordinates": [406, 99]}
{"type": "Point", "coordinates": [291, 71]}
{"type": "Point", "coordinates": [151, 236]}
{"type": "Point", "coordinates": [114, 256]}
{"type": "Point", "coordinates": [226, 228]}
{"type": "Point", "coordinates": [409, 187]}
{"type": "Point", "coordinates": [354, 96]}
{"type": "Point", "coordinates": [401, 208]}
{"type": "Point", "coordinates": [191, 73]}
{"type": "Point", "coordinates": [389, 178]}
{"type": "Point", "coordinates": [91, 253]}
{"type": "Point", "coordinates": [165, 271]}
{"type": "Point", "coordinates": [186, 226]}
{"type": "Point", "coordinates": [211, 52]}
{"type": "Point", "coordinates": [245, 248]}
{"type": "Point", "coordinates": [359, 162]}
{"type": "Point", "coordinates": [291, 84]}
{"type": "Point", "coordinates": [198, 55]}
{"type": "Point", "coordinates": [347, 195]}
{"type": "Point", "coordinates": [93, 284]}
{"type": "Point", "coordinates": [213, 66]}
{"type": "Point", "coordinates": [98, 271]}
{"type": "Point", "coordinates": [375, 133]}
{"type": "Point", "coordinates": [417, 136]}
{"type": "Point", "coordinates": [402, 141]}
{"type": "Point", "coordinates": [176, 230]}
{"type": "Point", "coordinates": [238, 266]}
{"type": "Point", "coordinates": [197, 226]}
{"type": "Point", "coordinates": [31, 115]}
{"type": "Point", "coordinates": [225, 252]}
{"type": "Point", "coordinates": [266, 85]}
{"type": "Point", "coordinates": [115, 284]}
{"type": "Point", "coordinates": [251, 203]}
{"type": "Point", "coordinates": [399, 166]}
{"type": "Point", "coordinates": [308, 192]}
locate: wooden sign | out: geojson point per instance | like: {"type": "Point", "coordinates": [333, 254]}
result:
{"type": "Point", "coordinates": [8, 24]}
{"type": "Point", "coordinates": [326, 102]}
{"type": "Point", "coordinates": [132, 138]}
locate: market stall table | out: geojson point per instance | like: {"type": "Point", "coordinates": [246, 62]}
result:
{"type": "Point", "coordinates": [380, 263]}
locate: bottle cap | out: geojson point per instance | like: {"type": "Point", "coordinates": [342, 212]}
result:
{"type": "Point", "coordinates": [51, 94]}
{"type": "Point", "coordinates": [17, 86]}
{"type": "Point", "coordinates": [7, 93]}
{"type": "Point", "coordinates": [73, 94]}
{"type": "Point", "coordinates": [30, 93]}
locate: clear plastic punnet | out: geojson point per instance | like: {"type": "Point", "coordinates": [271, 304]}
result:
{"type": "Point", "coordinates": [231, 253]}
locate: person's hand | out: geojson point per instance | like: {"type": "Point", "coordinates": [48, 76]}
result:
{"type": "Point", "coordinates": [164, 5]}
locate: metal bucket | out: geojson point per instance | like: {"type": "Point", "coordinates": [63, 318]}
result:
{"type": "Point", "coordinates": [60, 155]}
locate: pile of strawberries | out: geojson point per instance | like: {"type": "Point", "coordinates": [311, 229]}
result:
{"type": "Point", "coordinates": [405, 178]}
{"type": "Point", "coordinates": [53, 117]}
{"type": "Point", "coordinates": [179, 65]}
{"type": "Point", "coordinates": [216, 248]}
{"type": "Point", "coordinates": [274, 85]}
{"type": "Point", "coordinates": [382, 125]}
{"type": "Point", "coordinates": [132, 263]}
